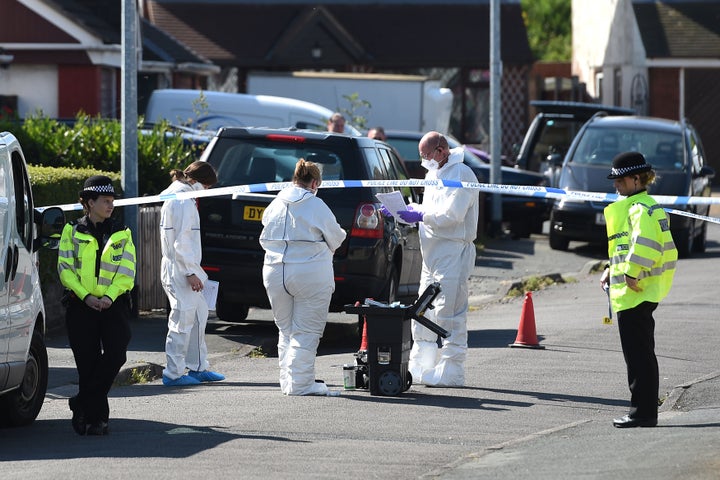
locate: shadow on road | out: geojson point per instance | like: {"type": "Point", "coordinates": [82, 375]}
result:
{"type": "Point", "coordinates": [55, 440]}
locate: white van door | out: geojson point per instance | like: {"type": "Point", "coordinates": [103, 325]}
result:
{"type": "Point", "coordinates": [5, 257]}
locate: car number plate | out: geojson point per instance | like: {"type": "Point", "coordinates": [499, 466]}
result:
{"type": "Point", "coordinates": [253, 213]}
{"type": "Point", "coordinates": [599, 219]}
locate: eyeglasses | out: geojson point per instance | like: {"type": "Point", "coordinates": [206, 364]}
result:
{"type": "Point", "coordinates": [429, 157]}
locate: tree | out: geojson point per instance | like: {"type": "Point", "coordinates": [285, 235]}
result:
{"type": "Point", "coordinates": [549, 28]}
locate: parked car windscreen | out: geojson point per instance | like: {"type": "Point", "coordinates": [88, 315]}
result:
{"type": "Point", "coordinates": [248, 161]}
{"type": "Point", "coordinates": [662, 149]}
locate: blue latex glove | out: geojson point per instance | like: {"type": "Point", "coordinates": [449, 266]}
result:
{"type": "Point", "coordinates": [385, 211]}
{"type": "Point", "coordinates": [411, 216]}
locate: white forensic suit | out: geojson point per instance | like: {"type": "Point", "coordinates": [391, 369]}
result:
{"type": "Point", "coordinates": [181, 254]}
{"type": "Point", "coordinates": [299, 238]}
{"type": "Point", "coordinates": [447, 232]}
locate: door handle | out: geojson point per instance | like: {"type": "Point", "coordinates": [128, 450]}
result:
{"type": "Point", "coordinates": [16, 259]}
{"type": "Point", "coordinates": [8, 263]}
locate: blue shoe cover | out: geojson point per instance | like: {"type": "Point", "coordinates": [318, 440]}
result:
{"type": "Point", "coordinates": [180, 382]}
{"type": "Point", "coordinates": [206, 376]}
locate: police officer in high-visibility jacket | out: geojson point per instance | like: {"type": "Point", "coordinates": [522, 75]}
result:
{"type": "Point", "coordinates": [639, 275]}
{"type": "Point", "coordinates": [96, 264]}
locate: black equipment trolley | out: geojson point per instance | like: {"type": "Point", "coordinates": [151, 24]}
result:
{"type": "Point", "coordinates": [384, 367]}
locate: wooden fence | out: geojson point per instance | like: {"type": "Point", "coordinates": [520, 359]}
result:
{"type": "Point", "coordinates": [150, 295]}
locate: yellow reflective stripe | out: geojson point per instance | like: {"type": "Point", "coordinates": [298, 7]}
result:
{"type": "Point", "coordinates": [618, 259]}
{"type": "Point", "coordinates": [126, 271]}
{"type": "Point", "coordinates": [114, 267]}
{"type": "Point", "coordinates": [63, 266]}
{"type": "Point", "coordinates": [64, 254]}
{"type": "Point", "coordinates": [108, 267]}
{"type": "Point", "coordinates": [129, 256]}
{"type": "Point", "coordinates": [648, 242]}
{"type": "Point", "coordinates": [640, 260]}
{"type": "Point", "coordinates": [645, 274]}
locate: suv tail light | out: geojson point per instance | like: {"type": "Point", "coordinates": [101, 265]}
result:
{"type": "Point", "coordinates": [278, 137]}
{"type": "Point", "coordinates": [367, 222]}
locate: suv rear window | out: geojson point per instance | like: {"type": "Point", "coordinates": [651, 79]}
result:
{"type": "Point", "coordinates": [244, 161]}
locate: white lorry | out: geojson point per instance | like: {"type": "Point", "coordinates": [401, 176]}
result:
{"type": "Point", "coordinates": [398, 102]}
{"type": "Point", "coordinates": [23, 357]}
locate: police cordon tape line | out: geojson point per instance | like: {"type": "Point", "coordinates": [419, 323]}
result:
{"type": "Point", "coordinates": [519, 190]}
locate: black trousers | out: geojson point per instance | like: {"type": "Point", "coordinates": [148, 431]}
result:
{"type": "Point", "coordinates": [99, 342]}
{"type": "Point", "coordinates": [637, 336]}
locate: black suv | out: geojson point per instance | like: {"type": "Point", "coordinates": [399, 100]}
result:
{"type": "Point", "coordinates": [380, 258]}
{"type": "Point", "coordinates": [553, 130]}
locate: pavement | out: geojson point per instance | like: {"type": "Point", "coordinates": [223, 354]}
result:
{"type": "Point", "coordinates": [544, 413]}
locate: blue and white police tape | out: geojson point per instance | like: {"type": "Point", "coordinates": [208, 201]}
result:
{"type": "Point", "coordinates": [518, 190]}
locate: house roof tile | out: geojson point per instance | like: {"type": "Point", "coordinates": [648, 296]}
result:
{"type": "Point", "coordinates": [103, 18]}
{"type": "Point", "coordinates": [378, 34]}
{"type": "Point", "coordinates": [687, 29]}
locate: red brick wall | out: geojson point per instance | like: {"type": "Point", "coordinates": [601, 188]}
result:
{"type": "Point", "coordinates": [664, 93]}
{"type": "Point", "coordinates": [78, 89]}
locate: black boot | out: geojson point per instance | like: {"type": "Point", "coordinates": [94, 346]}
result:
{"type": "Point", "coordinates": [78, 417]}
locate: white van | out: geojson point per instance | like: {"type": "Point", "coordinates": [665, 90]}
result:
{"type": "Point", "coordinates": [23, 357]}
{"type": "Point", "coordinates": [212, 110]}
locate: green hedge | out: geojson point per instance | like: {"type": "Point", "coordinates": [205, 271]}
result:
{"type": "Point", "coordinates": [57, 186]}
{"type": "Point", "coordinates": [94, 143]}
{"type": "Point", "coordinates": [62, 155]}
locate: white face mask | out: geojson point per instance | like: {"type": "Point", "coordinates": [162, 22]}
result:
{"type": "Point", "coordinates": [430, 164]}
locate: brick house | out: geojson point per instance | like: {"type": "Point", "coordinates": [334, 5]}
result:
{"type": "Point", "coordinates": [67, 53]}
{"type": "Point", "coordinates": [446, 40]}
{"type": "Point", "coordinates": [660, 58]}
{"type": "Point", "coordinates": [66, 57]}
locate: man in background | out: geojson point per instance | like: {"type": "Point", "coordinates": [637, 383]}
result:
{"type": "Point", "coordinates": [336, 124]}
{"type": "Point", "coordinates": [377, 133]}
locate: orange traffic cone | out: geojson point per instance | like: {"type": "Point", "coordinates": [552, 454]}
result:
{"type": "Point", "coordinates": [363, 339]}
{"type": "Point", "coordinates": [526, 336]}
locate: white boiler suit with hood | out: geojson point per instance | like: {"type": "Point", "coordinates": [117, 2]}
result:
{"type": "Point", "coordinates": [447, 232]}
{"type": "Point", "coordinates": [299, 238]}
{"type": "Point", "coordinates": [181, 255]}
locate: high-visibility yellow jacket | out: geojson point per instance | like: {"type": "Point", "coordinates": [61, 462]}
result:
{"type": "Point", "coordinates": [82, 271]}
{"type": "Point", "coordinates": [639, 245]}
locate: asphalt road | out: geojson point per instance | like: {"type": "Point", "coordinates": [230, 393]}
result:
{"type": "Point", "coordinates": [544, 413]}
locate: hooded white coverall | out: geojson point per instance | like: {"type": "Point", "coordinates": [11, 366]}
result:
{"type": "Point", "coordinates": [447, 232]}
{"type": "Point", "coordinates": [299, 238]}
{"type": "Point", "coordinates": [181, 255]}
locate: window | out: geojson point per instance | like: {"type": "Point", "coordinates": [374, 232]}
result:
{"type": "Point", "coordinates": [23, 201]}
{"type": "Point", "coordinates": [599, 77]}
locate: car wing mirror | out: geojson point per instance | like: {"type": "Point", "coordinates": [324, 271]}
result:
{"type": "Point", "coordinates": [706, 171]}
{"type": "Point", "coordinates": [51, 222]}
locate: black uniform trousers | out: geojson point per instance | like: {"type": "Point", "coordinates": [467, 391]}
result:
{"type": "Point", "coordinates": [637, 337]}
{"type": "Point", "coordinates": [99, 342]}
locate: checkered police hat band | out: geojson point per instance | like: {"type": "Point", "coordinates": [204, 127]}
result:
{"type": "Point", "coordinates": [100, 189]}
{"type": "Point", "coordinates": [621, 172]}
